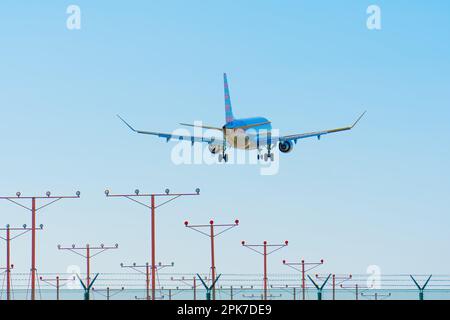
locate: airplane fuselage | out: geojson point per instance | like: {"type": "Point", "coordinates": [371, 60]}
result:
{"type": "Point", "coordinates": [247, 139]}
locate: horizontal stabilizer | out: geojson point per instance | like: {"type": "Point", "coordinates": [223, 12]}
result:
{"type": "Point", "coordinates": [200, 126]}
{"type": "Point", "coordinates": [170, 136]}
{"type": "Point", "coordinates": [252, 125]}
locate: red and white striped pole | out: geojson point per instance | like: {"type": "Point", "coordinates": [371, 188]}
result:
{"type": "Point", "coordinates": [303, 267]}
{"type": "Point", "coordinates": [265, 253]}
{"type": "Point", "coordinates": [9, 237]}
{"type": "Point", "coordinates": [152, 207]}
{"type": "Point", "coordinates": [212, 234]}
{"type": "Point", "coordinates": [34, 209]}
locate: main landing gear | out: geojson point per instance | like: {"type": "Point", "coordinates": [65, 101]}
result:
{"type": "Point", "coordinates": [223, 157]}
{"type": "Point", "coordinates": [266, 156]}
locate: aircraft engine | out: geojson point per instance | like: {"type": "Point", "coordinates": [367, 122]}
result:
{"type": "Point", "coordinates": [286, 146]}
{"type": "Point", "coordinates": [215, 148]}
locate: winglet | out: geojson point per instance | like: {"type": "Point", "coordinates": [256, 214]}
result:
{"type": "Point", "coordinates": [129, 126]}
{"type": "Point", "coordinates": [357, 120]}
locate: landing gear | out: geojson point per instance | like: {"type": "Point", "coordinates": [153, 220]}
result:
{"type": "Point", "coordinates": [265, 156]}
{"type": "Point", "coordinates": [224, 157]}
{"type": "Point", "coordinates": [268, 156]}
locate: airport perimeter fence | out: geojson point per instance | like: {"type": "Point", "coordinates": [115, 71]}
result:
{"type": "Point", "coordinates": [179, 286]}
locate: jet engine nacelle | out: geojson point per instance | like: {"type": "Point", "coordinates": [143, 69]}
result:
{"type": "Point", "coordinates": [286, 146]}
{"type": "Point", "coordinates": [215, 148]}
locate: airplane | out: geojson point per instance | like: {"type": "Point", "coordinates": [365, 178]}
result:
{"type": "Point", "coordinates": [246, 134]}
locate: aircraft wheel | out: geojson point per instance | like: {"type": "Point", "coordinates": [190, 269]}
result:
{"type": "Point", "coordinates": [266, 156]}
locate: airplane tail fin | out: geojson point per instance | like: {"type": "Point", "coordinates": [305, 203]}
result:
{"type": "Point", "coordinates": [228, 110]}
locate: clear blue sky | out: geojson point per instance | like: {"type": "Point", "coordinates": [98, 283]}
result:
{"type": "Point", "coordinates": [377, 195]}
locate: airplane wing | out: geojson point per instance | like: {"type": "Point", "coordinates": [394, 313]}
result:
{"type": "Point", "coordinates": [169, 136]}
{"type": "Point", "coordinates": [318, 134]}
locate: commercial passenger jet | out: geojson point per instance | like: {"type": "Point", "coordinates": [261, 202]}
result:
{"type": "Point", "coordinates": [248, 134]}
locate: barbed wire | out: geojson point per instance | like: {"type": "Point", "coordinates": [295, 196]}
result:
{"type": "Point", "coordinates": [385, 281]}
